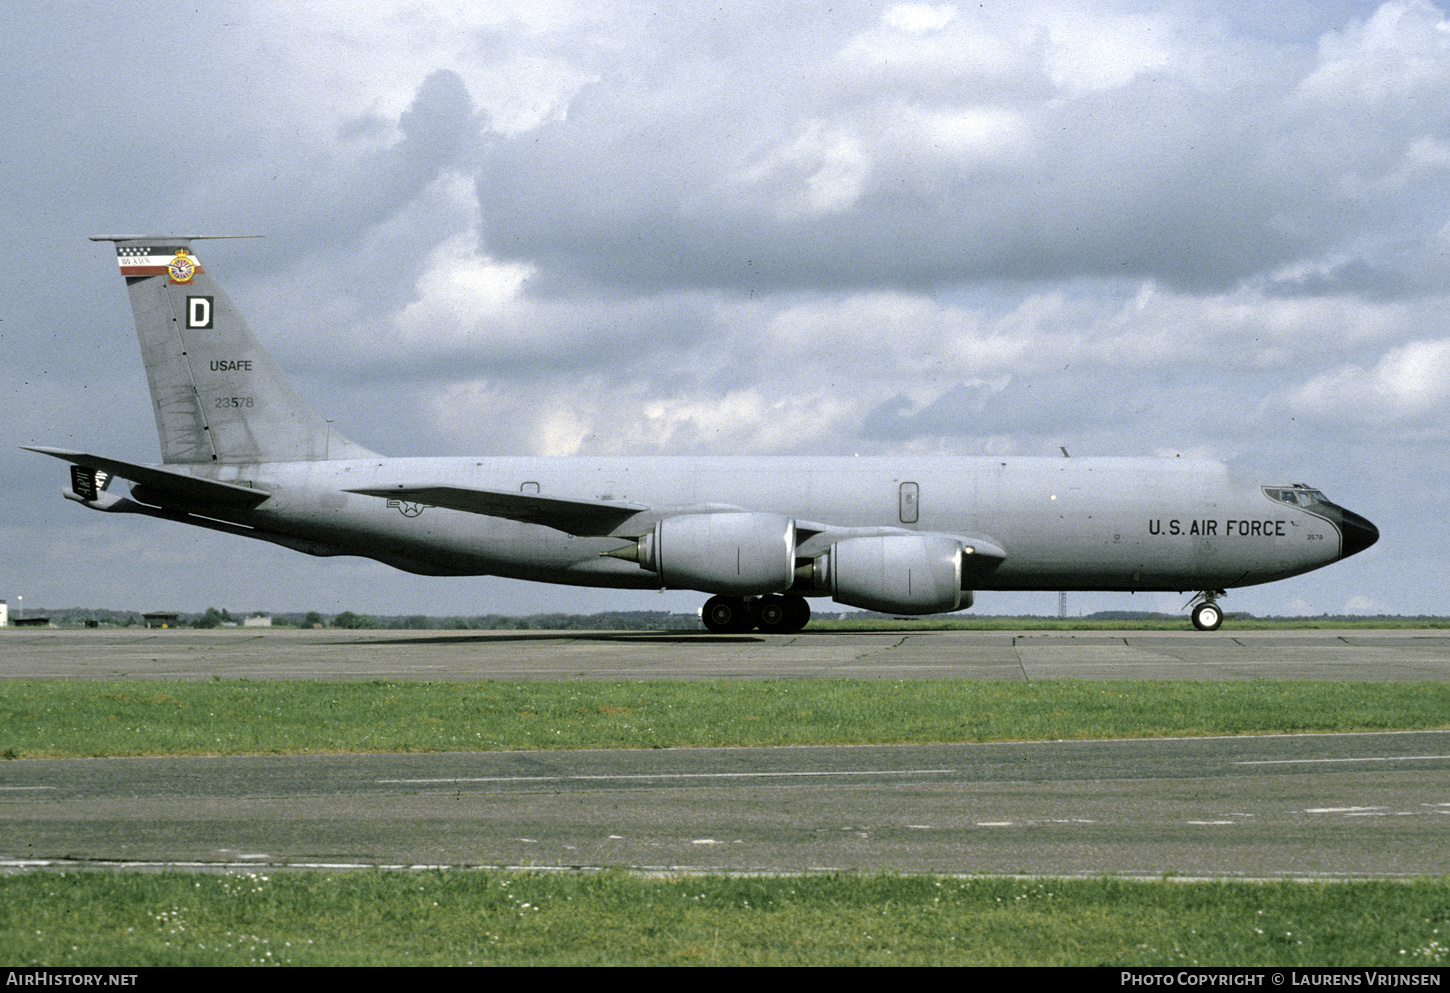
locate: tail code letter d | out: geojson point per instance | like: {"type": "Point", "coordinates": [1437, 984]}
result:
{"type": "Point", "coordinates": [198, 312]}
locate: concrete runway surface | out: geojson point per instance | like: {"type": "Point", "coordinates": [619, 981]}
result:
{"type": "Point", "coordinates": [233, 653]}
{"type": "Point", "coordinates": [1304, 806]}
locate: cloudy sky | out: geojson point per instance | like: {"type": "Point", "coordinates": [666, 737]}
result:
{"type": "Point", "coordinates": [557, 228]}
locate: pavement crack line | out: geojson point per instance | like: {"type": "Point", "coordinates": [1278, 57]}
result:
{"type": "Point", "coordinates": [888, 648]}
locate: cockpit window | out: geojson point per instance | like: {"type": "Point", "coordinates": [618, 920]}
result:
{"type": "Point", "coordinates": [1298, 495]}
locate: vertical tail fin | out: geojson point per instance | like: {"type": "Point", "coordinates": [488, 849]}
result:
{"type": "Point", "coordinates": [218, 396]}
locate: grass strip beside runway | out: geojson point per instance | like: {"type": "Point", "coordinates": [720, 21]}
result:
{"type": "Point", "coordinates": [63, 718]}
{"type": "Point", "coordinates": [476, 917]}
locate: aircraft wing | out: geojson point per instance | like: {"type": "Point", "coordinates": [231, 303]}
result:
{"type": "Point", "coordinates": [604, 517]}
{"type": "Point", "coordinates": [167, 483]}
{"type": "Point", "coordinates": [572, 516]}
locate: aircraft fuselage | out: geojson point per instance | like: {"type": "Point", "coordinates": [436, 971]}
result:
{"type": "Point", "coordinates": [1065, 524]}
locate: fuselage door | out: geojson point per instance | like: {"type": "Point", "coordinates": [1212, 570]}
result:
{"type": "Point", "coordinates": [910, 496]}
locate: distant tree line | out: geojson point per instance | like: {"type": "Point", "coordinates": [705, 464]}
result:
{"type": "Point", "coordinates": [633, 620]}
{"type": "Point", "coordinates": [215, 617]}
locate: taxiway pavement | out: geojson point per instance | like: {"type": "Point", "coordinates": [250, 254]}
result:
{"type": "Point", "coordinates": [234, 653]}
{"type": "Point", "coordinates": [1302, 806]}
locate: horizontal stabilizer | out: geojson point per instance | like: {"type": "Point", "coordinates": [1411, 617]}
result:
{"type": "Point", "coordinates": [175, 486]}
{"type": "Point", "coordinates": [170, 237]}
{"type": "Point", "coordinates": [577, 517]}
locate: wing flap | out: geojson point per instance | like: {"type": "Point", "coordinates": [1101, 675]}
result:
{"type": "Point", "coordinates": [570, 515]}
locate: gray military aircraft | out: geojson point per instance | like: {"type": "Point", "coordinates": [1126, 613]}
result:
{"type": "Point", "coordinates": [243, 453]}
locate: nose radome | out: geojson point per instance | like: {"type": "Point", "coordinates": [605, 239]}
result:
{"type": "Point", "coordinates": [1356, 533]}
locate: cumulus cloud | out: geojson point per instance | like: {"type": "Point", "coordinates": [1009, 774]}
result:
{"type": "Point", "coordinates": [458, 293]}
{"type": "Point", "coordinates": [1409, 383]}
{"type": "Point", "coordinates": [817, 174]}
{"type": "Point", "coordinates": [1103, 145]}
{"type": "Point", "coordinates": [1399, 52]}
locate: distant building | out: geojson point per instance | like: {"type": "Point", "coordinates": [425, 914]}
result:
{"type": "Point", "coordinates": [160, 620]}
{"type": "Point", "coordinates": [4, 614]}
{"type": "Point", "coordinates": [32, 622]}
{"type": "Point", "coordinates": [259, 621]}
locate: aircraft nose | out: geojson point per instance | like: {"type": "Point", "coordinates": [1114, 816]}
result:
{"type": "Point", "coordinates": [1356, 533]}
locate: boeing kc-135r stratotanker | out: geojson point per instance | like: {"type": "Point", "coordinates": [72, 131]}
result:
{"type": "Point", "coordinates": [243, 453]}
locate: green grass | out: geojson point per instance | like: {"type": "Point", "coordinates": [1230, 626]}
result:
{"type": "Point", "coordinates": [463, 917]}
{"type": "Point", "coordinates": [64, 718]}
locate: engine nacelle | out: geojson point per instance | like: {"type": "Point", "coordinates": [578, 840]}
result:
{"type": "Point", "coordinates": [895, 574]}
{"type": "Point", "coordinates": [743, 554]}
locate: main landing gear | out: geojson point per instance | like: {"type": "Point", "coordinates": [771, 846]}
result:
{"type": "Point", "coordinates": [775, 614]}
{"type": "Point", "coordinates": [1206, 613]}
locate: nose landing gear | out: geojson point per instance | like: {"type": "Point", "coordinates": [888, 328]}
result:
{"type": "Point", "coordinates": [1207, 615]}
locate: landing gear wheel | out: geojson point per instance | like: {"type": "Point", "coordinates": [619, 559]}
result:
{"type": "Point", "coordinates": [781, 614]}
{"type": "Point", "coordinates": [769, 613]}
{"type": "Point", "coordinates": [726, 615]}
{"type": "Point", "coordinates": [798, 612]}
{"type": "Point", "coordinates": [1207, 616]}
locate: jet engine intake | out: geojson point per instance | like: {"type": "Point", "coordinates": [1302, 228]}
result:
{"type": "Point", "coordinates": [895, 574]}
{"type": "Point", "coordinates": [743, 554]}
